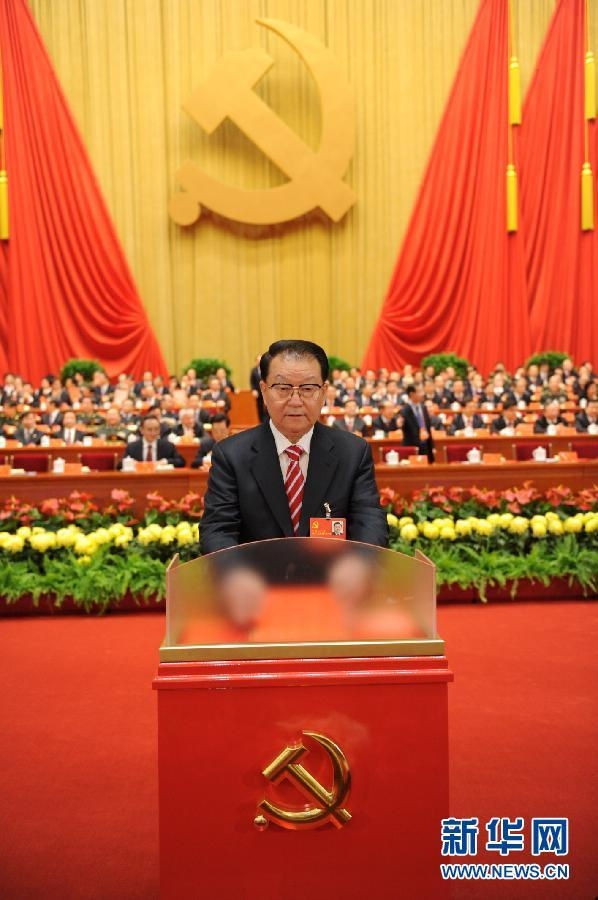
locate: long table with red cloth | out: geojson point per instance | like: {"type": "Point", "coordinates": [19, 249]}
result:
{"type": "Point", "coordinates": [174, 484]}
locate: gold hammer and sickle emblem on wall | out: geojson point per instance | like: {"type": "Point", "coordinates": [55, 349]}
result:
{"type": "Point", "coordinates": [315, 177]}
{"type": "Point", "coordinates": [328, 804]}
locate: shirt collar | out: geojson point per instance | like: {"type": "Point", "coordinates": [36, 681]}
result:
{"type": "Point", "coordinates": [282, 442]}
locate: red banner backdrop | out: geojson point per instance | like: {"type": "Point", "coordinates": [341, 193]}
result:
{"type": "Point", "coordinates": [65, 287]}
{"type": "Point", "coordinates": [562, 260]}
{"type": "Point", "coordinates": [459, 283]}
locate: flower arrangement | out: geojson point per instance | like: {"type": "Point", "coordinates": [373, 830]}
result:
{"type": "Point", "coordinates": [97, 555]}
{"type": "Point", "coordinates": [480, 538]}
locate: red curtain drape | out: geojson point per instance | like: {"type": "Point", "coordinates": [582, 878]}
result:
{"type": "Point", "coordinates": [561, 260]}
{"type": "Point", "coordinates": [459, 283]}
{"type": "Point", "coordinates": [67, 290]}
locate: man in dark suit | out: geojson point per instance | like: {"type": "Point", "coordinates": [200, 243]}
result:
{"type": "Point", "coordinates": [551, 419]}
{"type": "Point", "coordinates": [52, 416]}
{"type": "Point", "coordinates": [586, 418]}
{"type": "Point", "coordinates": [417, 428]}
{"type": "Point", "coordinates": [69, 433]}
{"type": "Point", "coordinates": [466, 418]}
{"type": "Point", "coordinates": [509, 419]}
{"type": "Point", "coordinates": [187, 426]}
{"type": "Point", "coordinates": [386, 419]}
{"type": "Point", "coordinates": [219, 431]}
{"type": "Point", "coordinates": [351, 421]}
{"type": "Point", "coordinates": [151, 447]}
{"type": "Point", "coordinates": [27, 433]}
{"type": "Point", "coordinates": [268, 481]}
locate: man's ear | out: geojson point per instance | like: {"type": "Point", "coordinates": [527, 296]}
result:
{"type": "Point", "coordinates": [263, 387]}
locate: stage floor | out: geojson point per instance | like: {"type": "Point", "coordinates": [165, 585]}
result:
{"type": "Point", "coordinates": [78, 813]}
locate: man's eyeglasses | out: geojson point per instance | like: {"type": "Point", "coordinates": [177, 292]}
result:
{"type": "Point", "coordinates": [286, 391]}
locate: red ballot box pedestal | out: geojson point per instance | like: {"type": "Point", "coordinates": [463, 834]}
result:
{"type": "Point", "coordinates": [222, 723]}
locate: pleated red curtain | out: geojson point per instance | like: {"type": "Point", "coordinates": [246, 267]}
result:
{"type": "Point", "coordinates": [66, 289]}
{"type": "Point", "coordinates": [561, 260]}
{"type": "Point", "coordinates": [459, 282]}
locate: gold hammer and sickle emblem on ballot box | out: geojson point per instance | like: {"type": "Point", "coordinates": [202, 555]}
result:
{"type": "Point", "coordinates": [328, 804]}
{"type": "Point", "coordinates": [315, 176]}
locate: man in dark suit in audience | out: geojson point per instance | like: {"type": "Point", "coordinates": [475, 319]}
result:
{"type": "Point", "coordinates": [216, 395]}
{"type": "Point", "coordinates": [267, 482]}
{"type": "Point", "coordinates": [467, 418]}
{"type": "Point", "coordinates": [386, 419]}
{"type": "Point", "coordinates": [587, 420]}
{"type": "Point", "coordinates": [187, 426]}
{"type": "Point", "coordinates": [27, 432]}
{"type": "Point", "coordinates": [52, 417]}
{"type": "Point", "coordinates": [220, 429]}
{"type": "Point", "coordinates": [351, 421]}
{"type": "Point", "coordinates": [519, 393]}
{"type": "Point", "coordinates": [509, 418]}
{"type": "Point", "coordinates": [69, 433]}
{"type": "Point", "coordinates": [151, 447]}
{"type": "Point", "coordinates": [551, 419]}
{"type": "Point", "coordinates": [417, 428]}
{"type": "Point", "coordinates": [436, 423]}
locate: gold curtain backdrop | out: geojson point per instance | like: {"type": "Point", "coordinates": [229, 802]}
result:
{"type": "Point", "coordinates": [215, 289]}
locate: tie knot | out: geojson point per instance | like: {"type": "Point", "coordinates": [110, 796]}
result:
{"type": "Point", "coordinates": [294, 452]}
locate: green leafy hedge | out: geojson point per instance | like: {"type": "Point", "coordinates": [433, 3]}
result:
{"type": "Point", "coordinates": [206, 366]}
{"type": "Point", "coordinates": [336, 362]}
{"type": "Point", "coordinates": [441, 361]}
{"type": "Point", "coordinates": [554, 358]}
{"type": "Point", "coordinates": [85, 367]}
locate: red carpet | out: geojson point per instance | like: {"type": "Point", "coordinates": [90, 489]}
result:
{"type": "Point", "coordinates": [78, 798]}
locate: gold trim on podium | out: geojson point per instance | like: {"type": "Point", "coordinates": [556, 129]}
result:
{"type": "Point", "coordinates": [303, 650]}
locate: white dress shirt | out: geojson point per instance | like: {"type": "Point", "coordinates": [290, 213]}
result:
{"type": "Point", "coordinates": [281, 445]}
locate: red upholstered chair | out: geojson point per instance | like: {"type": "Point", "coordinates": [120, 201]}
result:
{"type": "Point", "coordinates": [31, 462]}
{"type": "Point", "coordinates": [458, 452]}
{"type": "Point", "coordinates": [403, 452]}
{"type": "Point", "coordinates": [524, 452]}
{"type": "Point", "coordinates": [585, 449]}
{"type": "Point", "coordinates": [99, 462]}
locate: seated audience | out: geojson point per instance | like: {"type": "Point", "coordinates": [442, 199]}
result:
{"type": "Point", "coordinates": [219, 431]}
{"type": "Point", "coordinates": [386, 421]}
{"type": "Point", "coordinates": [216, 395]}
{"type": "Point", "coordinates": [187, 428]}
{"type": "Point", "coordinates": [27, 432]}
{"type": "Point", "coordinates": [551, 419]}
{"type": "Point", "coordinates": [586, 422]}
{"type": "Point", "coordinates": [467, 418]}
{"type": "Point", "coordinates": [113, 429]}
{"type": "Point", "coordinates": [436, 418]}
{"type": "Point", "coordinates": [52, 417]}
{"type": "Point", "coordinates": [350, 421]}
{"type": "Point", "coordinates": [69, 433]}
{"type": "Point", "coordinates": [151, 447]}
{"type": "Point", "coordinates": [508, 420]}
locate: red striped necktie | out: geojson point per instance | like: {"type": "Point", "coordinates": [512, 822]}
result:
{"type": "Point", "coordinates": [294, 483]}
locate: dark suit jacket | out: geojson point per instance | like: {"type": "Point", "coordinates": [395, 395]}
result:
{"type": "Point", "coordinates": [500, 422]}
{"type": "Point", "coordinates": [458, 425]}
{"type": "Point", "coordinates": [34, 438]}
{"type": "Point", "coordinates": [180, 431]}
{"type": "Point", "coordinates": [246, 500]}
{"type": "Point", "coordinates": [359, 425]}
{"type": "Point", "coordinates": [379, 424]}
{"type": "Point", "coordinates": [581, 422]}
{"type": "Point", "coordinates": [411, 431]}
{"type": "Point", "coordinates": [205, 446]}
{"type": "Point", "coordinates": [541, 424]}
{"type": "Point", "coordinates": [166, 451]}
{"type": "Point", "coordinates": [79, 435]}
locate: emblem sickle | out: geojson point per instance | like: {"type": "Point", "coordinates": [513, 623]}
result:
{"type": "Point", "coordinates": [315, 176]}
{"type": "Point", "coordinates": [329, 804]}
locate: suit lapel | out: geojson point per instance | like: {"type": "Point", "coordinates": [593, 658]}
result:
{"type": "Point", "coordinates": [266, 471]}
{"type": "Point", "coordinates": [323, 462]}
